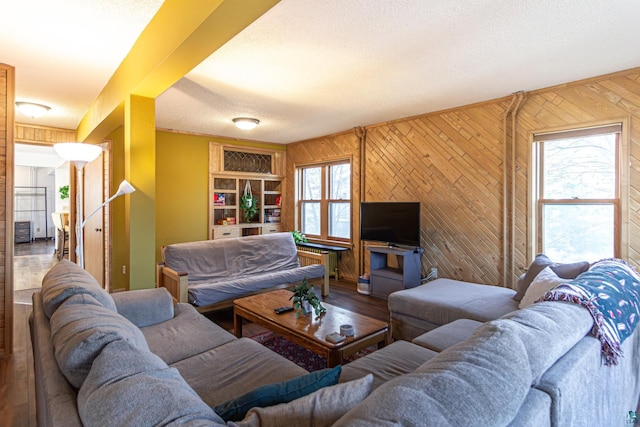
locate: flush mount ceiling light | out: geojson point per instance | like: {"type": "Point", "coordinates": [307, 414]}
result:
{"type": "Point", "coordinates": [245, 123]}
{"type": "Point", "coordinates": [32, 109]}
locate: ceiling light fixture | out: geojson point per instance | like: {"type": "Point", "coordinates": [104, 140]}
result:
{"type": "Point", "coordinates": [31, 109]}
{"type": "Point", "coordinates": [245, 123]}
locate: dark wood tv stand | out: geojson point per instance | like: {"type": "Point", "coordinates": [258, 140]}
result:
{"type": "Point", "coordinates": [385, 279]}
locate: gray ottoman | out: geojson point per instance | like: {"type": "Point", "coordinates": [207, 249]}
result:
{"type": "Point", "coordinates": [447, 335]}
{"type": "Point", "coordinates": [423, 308]}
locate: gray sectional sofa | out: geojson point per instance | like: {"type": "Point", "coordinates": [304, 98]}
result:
{"type": "Point", "coordinates": [210, 274]}
{"type": "Point", "coordinates": [133, 358]}
{"type": "Point", "coordinates": [78, 329]}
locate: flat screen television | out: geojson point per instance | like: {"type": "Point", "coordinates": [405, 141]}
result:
{"type": "Point", "coordinates": [395, 223]}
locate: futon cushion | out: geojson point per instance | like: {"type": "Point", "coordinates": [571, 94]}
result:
{"type": "Point", "coordinates": [121, 375]}
{"type": "Point", "coordinates": [66, 279]}
{"type": "Point", "coordinates": [81, 328]}
{"type": "Point", "coordinates": [281, 392]}
{"type": "Point", "coordinates": [320, 408]}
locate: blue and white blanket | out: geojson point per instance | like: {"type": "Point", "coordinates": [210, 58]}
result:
{"type": "Point", "coordinates": [610, 290]}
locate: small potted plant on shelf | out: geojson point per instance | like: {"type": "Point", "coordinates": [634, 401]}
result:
{"type": "Point", "coordinates": [305, 299]}
{"type": "Point", "coordinates": [298, 237]}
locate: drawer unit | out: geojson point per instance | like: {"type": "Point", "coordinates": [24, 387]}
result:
{"type": "Point", "coordinates": [23, 231]}
{"type": "Point", "coordinates": [273, 228]}
{"type": "Point", "coordinates": [225, 232]}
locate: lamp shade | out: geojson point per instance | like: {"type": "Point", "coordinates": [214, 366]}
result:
{"type": "Point", "coordinates": [245, 123]}
{"type": "Point", "coordinates": [124, 188]}
{"type": "Point", "coordinates": [77, 153]}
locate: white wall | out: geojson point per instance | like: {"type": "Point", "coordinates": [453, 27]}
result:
{"type": "Point", "coordinates": [35, 199]}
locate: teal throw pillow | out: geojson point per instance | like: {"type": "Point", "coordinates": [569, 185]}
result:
{"type": "Point", "coordinates": [276, 393]}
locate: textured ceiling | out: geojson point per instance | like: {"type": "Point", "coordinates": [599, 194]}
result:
{"type": "Point", "coordinates": [311, 68]}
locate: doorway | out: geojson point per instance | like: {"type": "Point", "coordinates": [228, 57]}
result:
{"type": "Point", "coordinates": [38, 176]}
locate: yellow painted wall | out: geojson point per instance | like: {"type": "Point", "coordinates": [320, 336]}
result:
{"type": "Point", "coordinates": [182, 165]}
{"type": "Point", "coordinates": [119, 241]}
{"type": "Point", "coordinates": [182, 185]}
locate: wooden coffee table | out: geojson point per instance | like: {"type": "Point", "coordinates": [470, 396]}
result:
{"type": "Point", "coordinates": [309, 331]}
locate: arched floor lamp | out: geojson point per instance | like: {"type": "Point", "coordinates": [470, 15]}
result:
{"type": "Point", "coordinates": [80, 154]}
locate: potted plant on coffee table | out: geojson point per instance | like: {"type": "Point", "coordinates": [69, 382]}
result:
{"type": "Point", "coordinates": [305, 299]}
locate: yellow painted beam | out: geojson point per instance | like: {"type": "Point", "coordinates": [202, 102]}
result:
{"type": "Point", "coordinates": [140, 206]}
{"type": "Point", "coordinates": [180, 36]}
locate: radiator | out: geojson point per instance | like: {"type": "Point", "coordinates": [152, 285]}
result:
{"type": "Point", "coordinates": [332, 268]}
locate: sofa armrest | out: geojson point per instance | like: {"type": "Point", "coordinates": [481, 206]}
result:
{"type": "Point", "coordinates": [145, 307]}
{"type": "Point", "coordinates": [307, 258]}
{"type": "Point", "coordinates": [175, 282]}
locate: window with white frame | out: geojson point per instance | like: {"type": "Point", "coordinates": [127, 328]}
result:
{"type": "Point", "coordinates": [578, 193]}
{"type": "Point", "coordinates": [324, 200]}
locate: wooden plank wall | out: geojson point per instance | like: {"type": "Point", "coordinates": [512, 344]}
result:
{"type": "Point", "coordinates": [340, 146]}
{"type": "Point", "coordinates": [452, 162]}
{"type": "Point", "coordinates": [43, 135]}
{"type": "Point", "coordinates": [607, 98]}
{"type": "Point", "coordinates": [7, 96]}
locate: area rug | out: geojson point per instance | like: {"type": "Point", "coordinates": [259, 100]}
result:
{"type": "Point", "coordinates": [297, 354]}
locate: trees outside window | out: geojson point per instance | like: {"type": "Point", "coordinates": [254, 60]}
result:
{"type": "Point", "coordinates": [578, 197]}
{"type": "Point", "coordinates": [324, 200]}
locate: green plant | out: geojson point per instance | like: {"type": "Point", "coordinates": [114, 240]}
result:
{"type": "Point", "coordinates": [64, 192]}
{"type": "Point", "coordinates": [298, 237]}
{"type": "Point", "coordinates": [304, 292]}
{"type": "Point", "coordinates": [249, 206]}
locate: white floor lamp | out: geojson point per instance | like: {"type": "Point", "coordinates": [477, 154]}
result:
{"type": "Point", "coordinates": [80, 154]}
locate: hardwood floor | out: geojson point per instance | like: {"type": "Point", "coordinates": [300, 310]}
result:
{"type": "Point", "coordinates": [17, 391]}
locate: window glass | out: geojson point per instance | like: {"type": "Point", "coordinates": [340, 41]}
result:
{"type": "Point", "coordinates": [582, 168]}
{"type": "Point", "coordinates": [324, 200]}
{"type": "Point", "coordinates": [578, 232]}
{"type": "Point", "coordinates": [340, 220]}
{"type": "Point", "coordinates": [578, 214]}
{"type": "Point", "coordinates": [312, 185]}
{"type": "Point", "coordinates": [311, 218]}
{"type": "Point", "coordinates": [340, 186]}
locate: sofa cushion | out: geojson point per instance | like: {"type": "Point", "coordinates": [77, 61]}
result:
{"type": "Point", "coordinates": [543, 282]}
{"type": "Point", "coordinates": [398, 358]}
{"type": "Point", "coordinates": [188, 333]}
{"type": "Point", "coordinates": [548, 331]}
{"type": "Point", "coordinates": [129, 386]}
{"type": "Point", "coordinates": [66, 279]}
{"type": "Point", "coordinates": [320, 408]}
{"type": "Point", "coordinates": [447, 335]}
{"type": "Point", "coordinates": [276, 393]}
{"type": "Point", "coordinates": [565, 271]}
{"type": "Point", "coordinates": [481, 381]}
{"type": "Point", "coordinates": [240, 366]}
{"type": "Point", "coordinates": [80, 328]}
{"type": "Point", "coordinates": [145, 307]}
{"type": "Point", "coordinates": [444, 300]}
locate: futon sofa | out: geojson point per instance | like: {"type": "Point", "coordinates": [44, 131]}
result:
{"type": "Point", "coordinates": [210, 274]}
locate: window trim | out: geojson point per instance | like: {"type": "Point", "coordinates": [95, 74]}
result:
{"type": "Point", "coordinates": [621, 229]}
{"type": "Point", "coordinates": [324, 198]}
